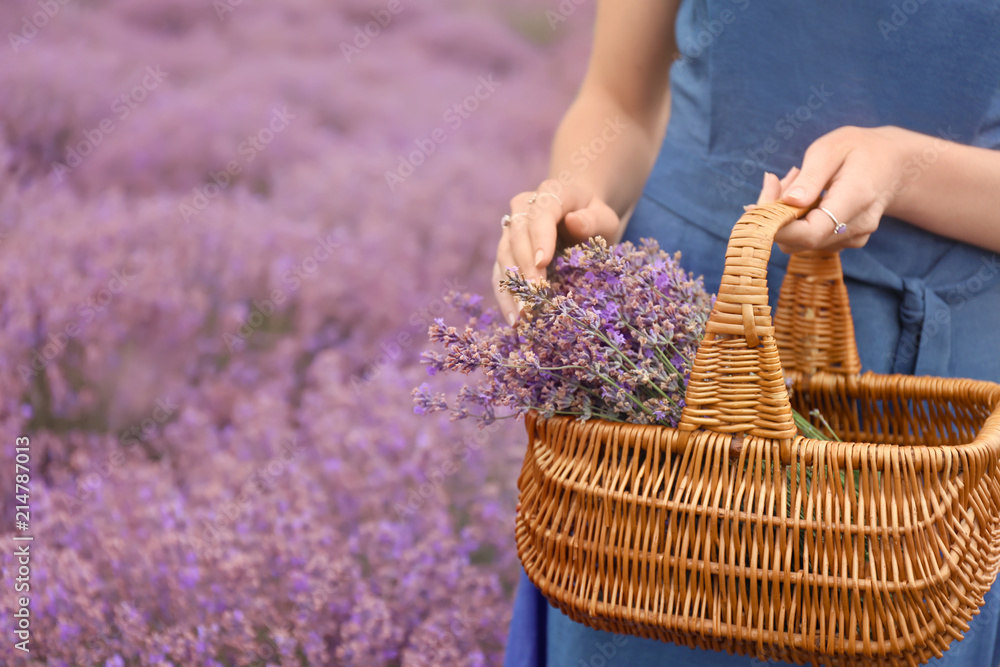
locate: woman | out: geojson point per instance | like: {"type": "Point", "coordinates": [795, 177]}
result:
{"type": "Point", "coordinates": [893, 112]}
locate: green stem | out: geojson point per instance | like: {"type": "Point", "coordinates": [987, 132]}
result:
{"type": "Point", "coordinates": [562, 378]}
{"type": "Point", "coordinates": [818, 414]}
{"type": "Point", "coordinates": [596, 332]}
{"type": "Point", "coordinates": [601, 376]}
{"type": "Point", "coordinates": [666, 362]}
{"type": "Point", "coordinates": [806, 427]}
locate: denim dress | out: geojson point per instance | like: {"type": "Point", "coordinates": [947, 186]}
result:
{"type": "Point", "coordinates": [757, 82]}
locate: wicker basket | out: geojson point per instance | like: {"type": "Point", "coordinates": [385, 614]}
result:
{"type": "Point", "coordinates": [731, 533]}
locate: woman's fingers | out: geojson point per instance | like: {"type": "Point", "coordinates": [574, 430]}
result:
{"type": "Point", "coordinates": [519, 237]}
{"type": "Point", "coordinates": [789, 177]}
{"type": "Point", "coordinates": [595, 219]}
{"type": "Point", "coordinates": [535, 217]}
{"type": "Point", "coordinates": [845, 165]}
{"type": "Point", "coordinates": [528, 240]}
{"type": "Point", "coordinates": [817, 229]}
{"type": "Point", "coordinates": [546, 208]}
{"type": "Point", "coordinates": [582, 215]}
{"type": "Point", "coordinates": [847, 214]}
{"type": "Point", "coordinates": [770, 190]}
{"type": "Point", "coordinates": [823, 159]}
{"type": "Point", "coordinates": [505, 259]}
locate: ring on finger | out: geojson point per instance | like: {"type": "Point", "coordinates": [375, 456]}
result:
{"type": "Point", "coordinates": [507, 219]}
{"type": "Point", "coordinates": [535, 196]}
{"type": "Point", "coordinates": [840, 227]}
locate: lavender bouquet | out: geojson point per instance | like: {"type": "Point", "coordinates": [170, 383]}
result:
{"type": "Point", "coordinates": [610, 334]}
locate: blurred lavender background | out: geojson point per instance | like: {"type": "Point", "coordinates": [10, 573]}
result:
{"type": "Point", "coordinates": [224, 227]}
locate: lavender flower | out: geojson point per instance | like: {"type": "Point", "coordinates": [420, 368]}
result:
{"type": "Point", "coordinates": [610, 334]}
{"type": "Point", "coordinates": [111, 302]}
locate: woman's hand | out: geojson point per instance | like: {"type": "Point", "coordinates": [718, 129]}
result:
{"type": "Point", "coordinates": [862, 170]}
{"type": "Point", "coordinates": [626, 87]}
{"type": "Point", "coordinates": [554, 215]}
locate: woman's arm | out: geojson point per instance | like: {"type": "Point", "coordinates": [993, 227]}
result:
{"type": "Point", "coordinates": [955, 190]}
{"type": "Point", "coordinates": [605, 145]}
{"type": "Point", "coordinates": [627, 82]}
{"type": "Point", "coordinates": [947, 188]}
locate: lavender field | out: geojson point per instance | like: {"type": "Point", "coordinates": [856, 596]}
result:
{"type": "Point", "coordinates": [225, 226]}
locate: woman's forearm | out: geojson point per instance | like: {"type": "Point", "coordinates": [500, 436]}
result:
{"type": "Point", "coordinates": [605, 149]}
{"type": "Point", "coordinates": [950, 189]}
{"type": "Point", "coordinates": [610, 136]}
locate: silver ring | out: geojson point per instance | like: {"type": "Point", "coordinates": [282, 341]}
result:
{"type": "Point", "coordinates": [507, 219]}
{"type": "Point", "coordinates": [535, 196]}
{"type": "Point", "coordinates": [840, 227]}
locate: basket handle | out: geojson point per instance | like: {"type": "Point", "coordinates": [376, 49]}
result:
{"type": "Point", "coordinates": [812, 324]}
{"type": "Point", "coordinates": [737, 384]}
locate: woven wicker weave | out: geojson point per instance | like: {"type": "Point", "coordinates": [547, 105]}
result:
{"type": "Point", "coordinates": [732, 533]}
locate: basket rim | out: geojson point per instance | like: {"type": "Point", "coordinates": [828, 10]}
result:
{"type": "Point", "coordinates": [904, 387]}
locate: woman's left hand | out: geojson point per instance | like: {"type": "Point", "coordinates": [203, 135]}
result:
{"type": "Point", "coordinates": [862, 172]}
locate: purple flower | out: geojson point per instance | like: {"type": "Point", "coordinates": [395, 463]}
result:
{"type": "Point", "coordinates": [214, 316]}
{"type": "Point", "coordinates": [577, 351]}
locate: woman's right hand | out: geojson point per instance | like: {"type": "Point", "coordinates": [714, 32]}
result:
{"type": "Point", "coordinates": [553, 216]}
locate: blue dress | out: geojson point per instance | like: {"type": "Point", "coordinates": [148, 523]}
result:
{"type": "Point", "coordinates": [756, 83]}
